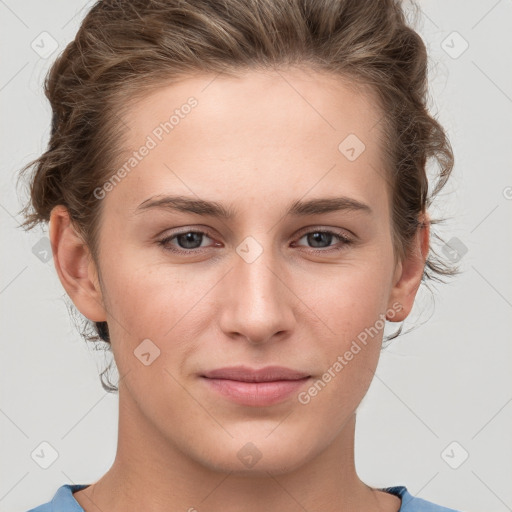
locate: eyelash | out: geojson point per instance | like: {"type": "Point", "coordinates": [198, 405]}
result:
{"type": "Point", "coordinates": [346, 241]}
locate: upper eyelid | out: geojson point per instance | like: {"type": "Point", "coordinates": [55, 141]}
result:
{"type": "Point", "coordinates": [334, 231]}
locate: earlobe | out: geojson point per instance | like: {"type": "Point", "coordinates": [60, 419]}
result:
{"type": "Point", "coordinates": [409, 272]}
{"type": "Point", "coordinates": [74, 265]}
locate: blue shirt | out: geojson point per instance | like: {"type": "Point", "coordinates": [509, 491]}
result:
{"type": "Point", "coordinates": [63, 501]}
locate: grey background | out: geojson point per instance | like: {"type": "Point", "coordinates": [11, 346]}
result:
{"type": "Point", "coordinates": [447, 381]}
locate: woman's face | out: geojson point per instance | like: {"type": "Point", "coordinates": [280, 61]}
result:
{"type": "Point", "coordinates": [289, 155]}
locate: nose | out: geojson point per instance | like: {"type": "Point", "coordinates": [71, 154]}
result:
{"type": "Point", "coordinates": [257, 303]}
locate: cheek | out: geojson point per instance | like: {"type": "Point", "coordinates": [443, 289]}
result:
{"type": "Point", "coordinates": [350, 356]}
{"type": "Point", "coordinates": [353, 307]}
{"type": "Point", "coordinates": [168, 305]}
{"type": "Point", "coordinates": [351, 298]}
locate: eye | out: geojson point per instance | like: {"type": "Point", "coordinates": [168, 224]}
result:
{"type": "Point", "coordinates": [189, 242]}
{"type": "Point", "coordinates": [186, 241]}
{"type": "Point", "coordinates": [323, 238]}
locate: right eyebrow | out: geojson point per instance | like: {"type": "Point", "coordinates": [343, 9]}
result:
{"type": "Point", "coordinates": [187, 205]}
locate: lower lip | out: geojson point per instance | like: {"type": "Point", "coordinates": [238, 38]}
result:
{"type": "Point", "coordinates": [256, 393]}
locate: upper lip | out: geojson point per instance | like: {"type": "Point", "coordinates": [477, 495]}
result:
{"type": "Point", "coordinates": [246, 374]}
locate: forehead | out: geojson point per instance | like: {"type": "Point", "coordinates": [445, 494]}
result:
{"type": "Point", "coordinates": [321, 102]}
{"type": "Point", "coordinates": [212, 133]}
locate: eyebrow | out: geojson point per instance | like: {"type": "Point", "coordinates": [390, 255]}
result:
{"type": "Point", "coordinates": [214, 209]}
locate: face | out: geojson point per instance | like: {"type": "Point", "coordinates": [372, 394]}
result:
{"type": "Point", "coordinates": [279, 253]}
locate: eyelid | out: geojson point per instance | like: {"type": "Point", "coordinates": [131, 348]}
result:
{"type": "Point", "coordinates": [337, 232]}
{"type": "Point", "coordinates": [344, 242]}
{"type": "Point", "coordinates": [183, 230]}
{"type": "Point", "coordinates": [343, 233]}
{"type": "Point", "coordinates": [169, 236]}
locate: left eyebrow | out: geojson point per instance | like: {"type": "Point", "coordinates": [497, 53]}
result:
{"type": "Point", "coordinates": [215, 209]}
{"type": "Point", "coordinates": [328, 205]}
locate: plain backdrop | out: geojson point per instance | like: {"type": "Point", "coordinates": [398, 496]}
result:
{"type": "Point", "coordinates": [438, 415]}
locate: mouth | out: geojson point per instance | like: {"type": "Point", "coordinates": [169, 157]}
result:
{"type": "Point", "coordinates": [263, 387]}
{"type": "Point", "coordinates": [246, 374]}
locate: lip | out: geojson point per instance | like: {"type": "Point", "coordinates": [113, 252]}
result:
{"type": "Point", "coordinates": [246, 374]}
{"type": "Point", "coordinates": [260, 387]}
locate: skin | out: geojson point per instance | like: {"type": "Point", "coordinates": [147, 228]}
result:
{"type": "Point", "coordinates": [253, 143]}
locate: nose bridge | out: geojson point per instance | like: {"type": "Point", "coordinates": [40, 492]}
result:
{"type": "Point", "coordinates": [255, 269]}
{"type": "Point", "coordinates": [258, 304]}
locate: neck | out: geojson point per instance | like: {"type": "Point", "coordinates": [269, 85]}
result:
{"type": "Point", "coordinates": [150, 470]}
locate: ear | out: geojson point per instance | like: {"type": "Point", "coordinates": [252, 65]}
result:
{"type": "Point", "coordinates": [75, 266]}
{"type": "Point", "coordinates": [409, 271]}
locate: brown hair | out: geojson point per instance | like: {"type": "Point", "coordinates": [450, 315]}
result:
{"type": "Point", "coordinates": [125, 49]}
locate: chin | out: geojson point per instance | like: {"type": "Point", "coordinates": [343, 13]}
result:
{"type": "Point", "coordinates": [263, 455]}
